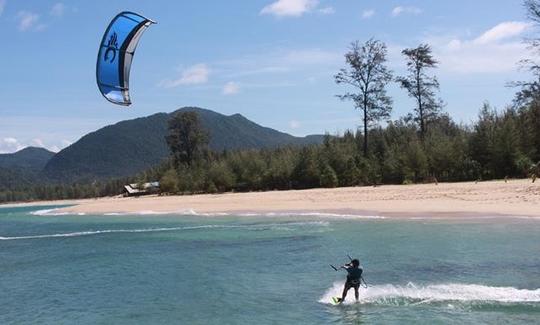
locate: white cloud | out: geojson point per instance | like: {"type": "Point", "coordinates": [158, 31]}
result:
{"type": "Point", "coordinates": [58, 147]}
{"type": "Point", "coordinates": [248, 68]}
{"type": "Point", "coordinates": [468, 57]}
{"type": "Point", "coordinates": [327, 11]}
{"type": "Point", "coordinates": [58, 9]}
{"type": "Point", "coordinates": [503, 31]}
{"type": "Point", "coordinates": [294, 124]}
{"type": "Point", "coordinates": [279, 62]}
{"type": "Point", "coordinates": [366, 14]}
{"type": "Point", "coordinates": [496, 50]}
{"type": "Point", "coordinates": [194, 75]}
{"type": "Point", "coordinates": [399, 10]}
{"type": "Point", "coordinates": [9, 145]}
{"type": "Point", "coordinates": [311, 57]}
{"type": "Point", "coordinates": [289, 8]}
{"type": "Point", "coordinates": [28, 21]}
{"type": "Point", "coordinates": [38, 143]}
{"type": "Point", "coordinates": [2, 6]}
{"type": "Point", "coordinates": [231, 88]}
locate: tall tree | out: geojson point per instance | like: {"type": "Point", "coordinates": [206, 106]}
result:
{"type": "Point", "coordinates": [530, 90]}
{"type": "Point", "coordinates": [187, 139]}
{"type": "Point", "coordinates": [420, 85]}
{"type": "Point", "coordinates": [368, 74]}
{"type": "Point", "coordinates": [481, 140]}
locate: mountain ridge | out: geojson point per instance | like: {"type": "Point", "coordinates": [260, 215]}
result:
{"type": "Point", "coordinates": [29, 157]}
{"type": "Point", "coordinates": [22, 168]}
{"type": "Point", "coordinates": [119, 150]}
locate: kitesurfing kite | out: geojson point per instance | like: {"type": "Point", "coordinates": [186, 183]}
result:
{"type": "Point", "coordinates": [116, 53]}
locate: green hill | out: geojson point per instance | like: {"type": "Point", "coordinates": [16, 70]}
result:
{"type": "Point", "coordinates": [22, 168]}
{"type": "Point", "coordinates": [29, 157]}
{"type": "Point", "coordinates": [128, 147]}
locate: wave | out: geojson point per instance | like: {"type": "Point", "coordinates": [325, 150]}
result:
{"type": "Point", "coordinates": [285, 226]}
{"type": "Point", "coordinates": [54, 212]}
{"type": "Point", "coordinates": [309, 214]}
{"type": "Point", "coordinates": [186, 212]}
{"type": "Point", "coordinates": [191, 212]}
{"type": "Point", "coordinates": [412, 294]}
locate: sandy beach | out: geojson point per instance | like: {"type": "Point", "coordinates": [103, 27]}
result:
{"type": "Point", "coordinates": [514, 198]}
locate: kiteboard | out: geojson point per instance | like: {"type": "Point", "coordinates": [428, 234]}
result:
{"type": "Point", "coordinates": [335, 300]}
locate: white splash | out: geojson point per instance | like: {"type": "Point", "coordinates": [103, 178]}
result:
{"type": "Point", "coordinates": [54, 212]}
{"type": "Point", "coordinates": [412, 294]}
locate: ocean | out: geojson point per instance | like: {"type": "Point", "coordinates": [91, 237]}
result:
{"type": "Point", "coordinates": [271, 269]}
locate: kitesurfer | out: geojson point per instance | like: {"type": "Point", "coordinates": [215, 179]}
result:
{"type": "Point", "coordinates": [354, 278]}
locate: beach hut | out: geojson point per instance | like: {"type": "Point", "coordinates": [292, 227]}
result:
{"type": "Point", "coordinates": [146, 189]}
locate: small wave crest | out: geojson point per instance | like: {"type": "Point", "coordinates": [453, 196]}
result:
{"type": "Point", "coordinates": [412, 294]}
{"type": "Point", "coordinates": [54, 212]}
{"type": "Point", "coordinates": [191, 212]}
{"type": "Point", "coordinates": [286, 226]}
{"type": "Point", "coordinates": [152, 212]}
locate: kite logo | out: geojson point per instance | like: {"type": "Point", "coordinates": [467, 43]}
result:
{"type": "Point", "coordinates": [112, 46]}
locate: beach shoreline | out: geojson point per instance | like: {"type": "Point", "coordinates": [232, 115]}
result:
{"type": "Point", "coordinates": [519, 198]}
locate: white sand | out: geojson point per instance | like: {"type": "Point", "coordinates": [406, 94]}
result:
{"type": "Point", "coordinates": [514, 198]}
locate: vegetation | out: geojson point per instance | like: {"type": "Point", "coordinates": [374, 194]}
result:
{"type": "Point", "coordinates": [500, 144]}
{"type": "Point", "coordinates": [420, 86]}
{"type": "Point", "coordinates": [187, 140]}
{"type": "Point", "coordinates": [495, 147]}
{"type": "Point", "coordinates": [368, 75]}
{"type": "Point", "coordinates": [130, 147]}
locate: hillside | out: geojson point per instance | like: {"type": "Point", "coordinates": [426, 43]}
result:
{"type": "Point", "coordinates": [128, 147]}
{"type": "Point", "coordinates": [29, 157]}
{"type": "Point", "coordinates": [22, 167]}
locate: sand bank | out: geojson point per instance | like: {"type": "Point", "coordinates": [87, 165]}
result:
{"type": "Point", "coordinates": [514, 198]}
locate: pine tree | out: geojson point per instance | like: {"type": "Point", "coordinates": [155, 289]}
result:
{"type": "Point", "coordinates": [368, 74]}
{"type": "Point", "coordinates": [420, 85]}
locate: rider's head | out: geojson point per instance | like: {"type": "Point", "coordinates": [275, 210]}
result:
{"type": "Point", "coordinates": [355, 263]}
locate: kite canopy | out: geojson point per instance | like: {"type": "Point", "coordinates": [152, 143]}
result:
{"type": "Point", "coordinates": [116, 53]}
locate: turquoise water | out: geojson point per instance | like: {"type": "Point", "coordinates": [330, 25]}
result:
{"type": "Point", "coordinates": [66, 269]}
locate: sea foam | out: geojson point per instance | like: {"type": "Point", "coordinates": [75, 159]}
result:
{"type": "Point", "coordinates": [191, 212]}
{"type": "Point", "coordinates": [412, 294]}
{"type": "Point", "coordinates": [54, 212]}
{"type": "Point", "coordinates": [284, 226]}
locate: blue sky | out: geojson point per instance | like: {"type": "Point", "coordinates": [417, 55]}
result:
{"type": "Point", "coordinates": [271, 60]}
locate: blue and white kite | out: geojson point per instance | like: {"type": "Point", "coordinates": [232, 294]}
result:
{"type": "Point", "coordinates": [116, 53]}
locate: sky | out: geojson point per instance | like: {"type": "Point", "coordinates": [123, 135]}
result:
{"type": "Point", "coordinates": [272, 61]}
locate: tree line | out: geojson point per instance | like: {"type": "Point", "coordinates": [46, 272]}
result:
{"type": "Point", "coordinates": [423, 146]}
{"type": "Point", "coordinates": [500, 144]}
{"type": "Point", "coordinates": [78, 190]}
